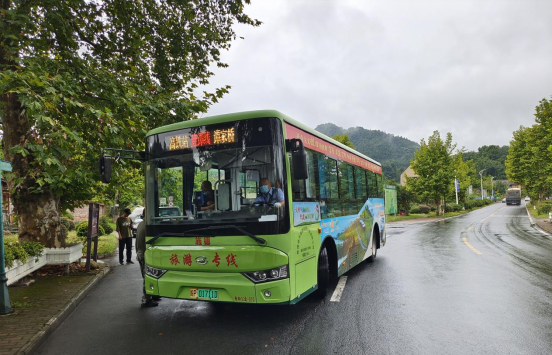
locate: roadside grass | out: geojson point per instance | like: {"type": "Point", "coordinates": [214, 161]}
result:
{"type": "Point", "coordinates": [107, 244]}
{"type": "Point", "coordinates": [390, 218]}
{"type": "Point", "coordinates": [534, 211]}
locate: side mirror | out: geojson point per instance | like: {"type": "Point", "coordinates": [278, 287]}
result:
{"type": "Point", "coordinates": [105, 169]}
{"type": "Point", "coordinates": [299, 158]}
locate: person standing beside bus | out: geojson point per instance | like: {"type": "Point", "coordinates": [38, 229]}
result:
{"type": "Point", "coordinates": [269, 195]}
{"type": "Point", "coordinates": [147, 300]}
{"type": "Point", "coordinates": [125, 236]}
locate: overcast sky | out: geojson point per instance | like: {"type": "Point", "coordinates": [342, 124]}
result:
{"type": "Point", "coordinates": [476, 69]}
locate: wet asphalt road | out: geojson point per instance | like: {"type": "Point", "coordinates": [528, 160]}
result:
{"type": "Point", "coordinates": [480, 283]}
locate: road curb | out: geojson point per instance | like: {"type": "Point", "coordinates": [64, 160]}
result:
{"type": "Point", "coordinates": [529, 215]}
{"type": "Point", "coordinates": [38, 339]}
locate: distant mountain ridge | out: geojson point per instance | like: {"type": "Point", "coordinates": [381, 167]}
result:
{"type": "Point", "coordinates": [393, 152]}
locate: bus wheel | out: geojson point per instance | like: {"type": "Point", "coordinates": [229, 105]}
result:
{"type": "Point", "coordinates": [323, 274]}
{"type": "Point", "coordinates": [374, 248]}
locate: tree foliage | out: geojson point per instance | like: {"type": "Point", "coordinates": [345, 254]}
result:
{"type": "Point", "coordinates": [464, 171]}
{"type": "Point", "coordinates": [434, 165]}
{"type": "Point", "coordinates": [529, 160]}
{"type": "Point", "coordinates": [344, 139]}
{"type": "Point", "coordinates": [491, 158]}
{"type": "Point", "coordinates": [78, 75]}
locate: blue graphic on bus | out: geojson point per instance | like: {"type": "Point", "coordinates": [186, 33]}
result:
{"type": "Point", "coordinates": [352, 233]}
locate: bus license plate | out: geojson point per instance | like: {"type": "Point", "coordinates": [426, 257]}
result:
{"type": "Point", "coordinates": [203, 293]}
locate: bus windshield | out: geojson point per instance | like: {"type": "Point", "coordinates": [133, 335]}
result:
{"type": "Point", "coordinates": [209, 175]}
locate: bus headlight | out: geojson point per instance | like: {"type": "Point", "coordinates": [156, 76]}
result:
{"type": "Point", "coordinates": [268, 275]}
{"type": "Point", "coordinates": [154, 272]}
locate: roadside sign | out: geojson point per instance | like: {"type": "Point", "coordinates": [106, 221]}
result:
{"type": "Point", "coordinates": [5, 165]}
{"type": "Point", "coordinates": [93, 233]}
{"type": "Point", "coordinates": [163, 201]}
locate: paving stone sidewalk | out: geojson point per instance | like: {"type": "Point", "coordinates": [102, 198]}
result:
{"type": "Point", "coordinates": [41, 307]}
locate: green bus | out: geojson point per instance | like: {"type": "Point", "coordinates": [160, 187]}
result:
{"type": "Point", "coordinates": [246, 249]}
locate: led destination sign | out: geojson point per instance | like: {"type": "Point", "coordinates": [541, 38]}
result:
{"type": "Point", "coordinates": [202, 139]}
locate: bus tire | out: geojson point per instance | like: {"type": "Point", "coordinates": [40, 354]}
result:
{"type": "Point", "coordinates": [323, 274]}
{"type": "Point", "coordinates": [372, 257]}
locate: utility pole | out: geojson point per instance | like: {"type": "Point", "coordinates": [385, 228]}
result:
{"type": "Point", "coordinates": [492, 187]}
{"type": "Point", "coordinates": [481, 175]}
{"type": "Point", "coordinates": [456, 188]}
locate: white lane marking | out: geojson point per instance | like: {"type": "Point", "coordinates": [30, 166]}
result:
{"type": "Point", "coordinates": [336, 297]}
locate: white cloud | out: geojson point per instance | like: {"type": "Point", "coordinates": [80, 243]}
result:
{"type": "Point", "coordinates": [476, 69]}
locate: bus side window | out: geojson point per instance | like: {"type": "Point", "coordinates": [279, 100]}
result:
{"type": "Point", "coordinates": [360, 180]}
{"type": "Point", "coordinates": [305, 189]}
{"type": "Point", "coordinates": [381, 191]}
{"type": "Point", "coordinates": [372, 185]}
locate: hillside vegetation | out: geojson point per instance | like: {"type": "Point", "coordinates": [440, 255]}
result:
{"type": "Point", "coordinates": [393, 152]}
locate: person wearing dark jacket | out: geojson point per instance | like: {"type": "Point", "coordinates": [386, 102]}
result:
{"type": "Point", "coordinates": [147, 300]}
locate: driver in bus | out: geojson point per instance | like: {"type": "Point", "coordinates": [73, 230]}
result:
{"type": "Point", "coordinates": [269, 195]}
{"type": "Point", "coordinates": [208, 200]}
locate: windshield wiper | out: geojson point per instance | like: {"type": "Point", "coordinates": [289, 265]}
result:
{"type": "Point", "coordinates": [167, 234]}
{"type": "Point", "coordinates": [241, 230]}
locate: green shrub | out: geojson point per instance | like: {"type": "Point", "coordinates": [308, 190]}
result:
{"type": "Point", "coordinates": [544, 207]}
{"type": "Point", "coordinates": [33, 249]}
{"type": "Point", "coordinates": [82, 230]}
{"type": "Point", "coordinates": [12, 238]}
{"type": "Point", "coordinates": [477, 203]}
{"type": "Point", "coordinates": [432, 208]}
{"type": "Point", "coordinates": [453, 207]}
{"type": "Point", "coordinates": [106, 223]}
{"type": "Point", "coordinates": [70, 225]}
{"type": "Point", "coordinates": [13, 251]}
{"type": "Point", "coordinates": [424, 208]}
{"type": "Point", "coordinates": [415, 210]}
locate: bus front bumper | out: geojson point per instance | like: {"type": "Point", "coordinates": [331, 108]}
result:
{"type": "Point", "coordinates": [230, 287]}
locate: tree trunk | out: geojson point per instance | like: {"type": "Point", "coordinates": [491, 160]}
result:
{"type": "Point", "coordinates": [38, 215]}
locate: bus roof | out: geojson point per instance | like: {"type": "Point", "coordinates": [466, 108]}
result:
{"type": "Point", "coordinates": [238, 116]}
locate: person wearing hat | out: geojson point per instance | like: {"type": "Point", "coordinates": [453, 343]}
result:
{"type": "Point", "coordinates": [125, 236]}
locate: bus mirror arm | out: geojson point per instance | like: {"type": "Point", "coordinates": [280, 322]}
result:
{"type": "Point", "coordinates": [299, 158]}
{"type": "Point", "coordinates": [108, 154]}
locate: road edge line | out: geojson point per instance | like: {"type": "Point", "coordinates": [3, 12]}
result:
{"type": "Point", "coordinates": [336, 296]}
{"type": "Point", "coordinates": [529, 215]}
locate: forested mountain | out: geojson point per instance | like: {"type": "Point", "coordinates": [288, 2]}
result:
{"type": "Point", "coordinates": [491, 158]}
{"type": "Point", "coordinates": [394, 153]}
